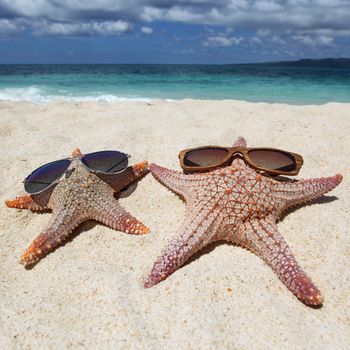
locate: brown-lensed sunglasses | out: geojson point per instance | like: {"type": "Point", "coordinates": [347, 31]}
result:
{"type": "Point", "coordinates": [270, 160]}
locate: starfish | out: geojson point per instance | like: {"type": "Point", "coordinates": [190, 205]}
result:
{"type": "Point", "coordinates": [239, 205]}
{"type": "Point", "coordinates": [79, 196]}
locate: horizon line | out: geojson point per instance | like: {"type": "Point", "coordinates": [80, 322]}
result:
{"type": "Point", "coordinates": [189, 64]}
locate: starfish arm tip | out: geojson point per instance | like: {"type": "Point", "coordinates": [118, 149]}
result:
{"type": "Point", "coordinates": [140, 168]}
{"type": "Point", "coordinates": [306, 291]}
{"type": "Point", "coordinates": [177, 252]}
{"type": "Point", "coordinates": [152, 280]}
{"type": "Point", "coordinates": [157, 169]}
{"type": "Point", "coordinates": [165, 265]}
{"type": "Point", "coordinates": [143, 230]}
{"type": "Point", "coordinates": [147, 284]}
{"type": "Point", "coordinates": [14, 203]}
{"type": "Point", "coordinates": [338, 178]}
{"type": "Point", "coordinates": [313, 299]}
{"type": "Point", "coordinates": [8, 203]}
{"type": "Point", "coordinates": [139, 229]}
{"type": "Point", "coordinates": [318, 300]}
{"type": "Point", "coordinates": [76, 153]}
{"type": "Point", "coordinates": [329, 183]}
{"type": "Point", "coordinates": [30, 256]}
{"type": "Point", "coordinates": [172, 179]}
{"type": "Point", "coordinates": [240, 142]}
{"type": "Point", "coordinates": [154, 167]}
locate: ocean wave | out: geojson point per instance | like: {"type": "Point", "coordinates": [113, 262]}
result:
{"type": "Point", "coordinates": [31, 94]}
{"type": "Point", "coordinates": [37, 95]}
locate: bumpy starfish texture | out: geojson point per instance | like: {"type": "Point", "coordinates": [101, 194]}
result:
{"type": "Point", "coordinates": [238, 204]}
{"type": "Point", "coordinates": [80, 196]}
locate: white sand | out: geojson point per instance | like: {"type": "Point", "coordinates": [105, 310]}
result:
{"type": "Point", "coordinates": [89, 293]}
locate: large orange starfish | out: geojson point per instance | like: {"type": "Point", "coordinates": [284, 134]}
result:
{"type": "Point", "coordinates": [238, 204]}
{"type": "Point", "coordinates": [80, 196]}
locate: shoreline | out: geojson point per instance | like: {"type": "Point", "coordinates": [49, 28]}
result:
{"type": "Point", "coordinates": [89, 292]}
{"type": "Point", "coordinates": [162, 100]}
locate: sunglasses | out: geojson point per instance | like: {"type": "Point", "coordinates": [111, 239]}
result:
{"type": "Point", "coordinates": [270, 160]}
{"type": "Point", "coordinates": [103, 162]}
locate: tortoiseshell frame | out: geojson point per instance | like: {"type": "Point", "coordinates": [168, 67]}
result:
{"type": "Point", "coordinates": [244, 153]}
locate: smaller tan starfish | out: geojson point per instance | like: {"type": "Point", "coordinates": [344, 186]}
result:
{"type": "Point", "coordinates": [80, 196]}
{"type": "Point", "coordinates": [239, 205]}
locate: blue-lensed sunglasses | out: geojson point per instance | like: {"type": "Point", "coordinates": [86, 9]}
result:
{"type": "Point", "coordinates": [103, 162]}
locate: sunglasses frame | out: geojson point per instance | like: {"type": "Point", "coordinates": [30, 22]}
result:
{"type": "Point", "coordinates": [244, 153]}
{"type": "Point", "coordinates": [64, 173]}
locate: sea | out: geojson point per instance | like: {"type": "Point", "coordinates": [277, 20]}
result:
{"type": "Point", "coordinates": [113, 83]}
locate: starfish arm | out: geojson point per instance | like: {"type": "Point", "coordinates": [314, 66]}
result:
{"type": "Point", "coordinates": [114, 216]}
{"type": "Point", "coordinates": [174, 180]}
{"type": "Point", "coordinates": [197, 231]}
{"type": "Point", "coordinates": [306, 189]}
{"type": "Point", "coordinates": [262, 237]}
{"type": "Point", "coordinates": [27, 202]}
{"type": "Point", "coordinates": [24, 202]}
{"type": "Point", "coordinates": [35, 202]}
{"type": "Point", "coordinates": [56, 232]}
{"type": "Point", "coordinates": [120, 180]}
{"type": "Point", "coordinates": [240, 142]}
{"type": "Point", "coordinates": [76, 153]}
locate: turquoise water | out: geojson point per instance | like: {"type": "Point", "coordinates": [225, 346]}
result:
{"type": "Point", "coordinates": [257, 83]}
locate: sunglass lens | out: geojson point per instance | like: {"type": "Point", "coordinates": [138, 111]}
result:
{"type": "Point", "coordinates": [44, 176]}
{"type": "Point", "coordinates": [106, 161]}
{"type": "Point", "coordinates": [205, 157]}
{"type": "Point", "coordinates": [271, 159]}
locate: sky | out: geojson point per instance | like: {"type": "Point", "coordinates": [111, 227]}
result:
{"type": "Point", "coordinates": [178, 31]}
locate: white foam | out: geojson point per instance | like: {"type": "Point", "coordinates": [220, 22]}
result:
{"type": "Point", "coordinates": [31, 94]}
{"type": "Point", "coordinates": [36, 95]}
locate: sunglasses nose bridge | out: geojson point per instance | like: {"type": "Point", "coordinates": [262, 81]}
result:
{"type": "Point", "coordinates": [236, 154]}
{"type": "Point", "coordinates": [74, 163]}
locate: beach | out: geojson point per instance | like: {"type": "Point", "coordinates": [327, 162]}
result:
{"type": "Point", "coordinates": [89, 292]}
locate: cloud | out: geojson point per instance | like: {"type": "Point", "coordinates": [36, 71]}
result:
{"type": "Point", "coordinates": [304, 39]}
{"type": "Point", "coordinates": [277, 40]}
{"type": "Point", "coordinates": [325, 40]}
{"type": "Point", "coordinates": [288, 13]}
{"type": "Point", "coordinates": [221, 40]}
{"type": "Point", "coordinates": [263, 32]}
{"type": "Point", "coordinates": [301, 18]}
{"type": "Point", "coordinates": [313, 40]}
{"type": "Point", "coordinates": [256, 40]}
{"type": "Point", "coordinates": [82, 29]}
{"type": "Point", "coordinates": [146, 30]}
{"type": "Point", "coordinates": [11, 26]}
{"type": "Point", "coordinates": [8, 27]}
